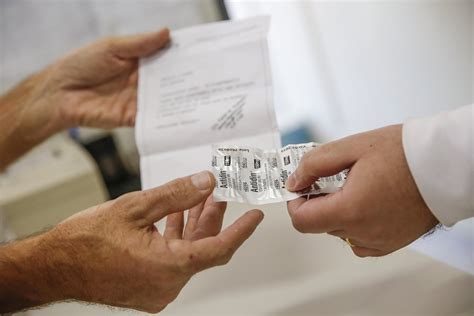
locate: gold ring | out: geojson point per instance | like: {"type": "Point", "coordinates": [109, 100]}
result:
{"type": "Point", "coordinates": [348, 241]}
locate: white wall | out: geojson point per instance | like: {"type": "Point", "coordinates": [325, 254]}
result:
{"type": "Point", "coordinates": [345, 67]}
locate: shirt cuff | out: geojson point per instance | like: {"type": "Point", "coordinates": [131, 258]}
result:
{"type": "Point", "coordinates": [439, 153]}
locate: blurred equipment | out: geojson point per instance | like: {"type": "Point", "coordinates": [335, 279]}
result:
{"type": "Point", "coordinates": [116, 158]}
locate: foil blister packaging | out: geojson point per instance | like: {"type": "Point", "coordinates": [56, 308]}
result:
{"type": "Point", "coordinates": [256, 176]}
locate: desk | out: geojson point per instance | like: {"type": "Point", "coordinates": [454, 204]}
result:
{"type": "Point", "coordinates": [279, 271]}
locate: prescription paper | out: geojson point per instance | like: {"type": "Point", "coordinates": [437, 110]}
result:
{"type": "Point", "coordinates": [257, 176]}
{"type": "Point", "coordinates": [212, 85]}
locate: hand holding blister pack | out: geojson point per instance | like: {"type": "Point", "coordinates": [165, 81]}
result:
{"type": "Point", "coordinates": [256, 176]}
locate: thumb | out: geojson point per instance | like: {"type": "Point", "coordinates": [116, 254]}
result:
{"type": "Point", "coordinates": [175, 196]}
{"type": "Point", "coordinates": [140, 45]}
{"type": "Point", "coordinates": [325, 160]}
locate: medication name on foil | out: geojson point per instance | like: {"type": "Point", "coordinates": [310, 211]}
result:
{"type": "Point", "coordinates": [256, 176]}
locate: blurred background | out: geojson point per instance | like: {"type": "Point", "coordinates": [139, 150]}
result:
{"type": "Point", "coordinates": [339, 67]}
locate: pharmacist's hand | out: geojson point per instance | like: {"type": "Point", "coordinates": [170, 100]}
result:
{"type": "Point", "coordinates": [114, 255]}
{"type": "Point", "coordinates": [96, 85]}
{"type": "Point", "coordinates": [379, 208]}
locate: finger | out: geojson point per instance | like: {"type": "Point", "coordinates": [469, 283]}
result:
{"type": "Point", "coordinates": [131, 110]}
{"type": "Point", "coordinates": [174, 226]}
{"type": "Point", "coordinates": [131, 114]}
{"type": "Point", "coordinates": [140, 45]}
{"type": "Point", "coordinates": [338, 233]}
{"type": "Point", "coordinates": [192, 220]}
{"type": "Point", "coordinates": [342, 234]}
{"type": "Point", "coordinates": [132, 107]}
{"type": "Point", "coordinates": [356, 241]}
{"type": "Point", "coordinates": [318, 215]}
{"type": "Point", "coordinates": [210, 221]}
{"type": "Point", "coordinates": [219, 250]}
{"type": "Point", "coordinates": [323, 161]}
{"type": "Point", "coordinates": [175, 196]}
{"type": "Point", "coordinates": [367, 252]}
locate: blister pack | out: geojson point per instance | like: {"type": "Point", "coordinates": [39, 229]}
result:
{"type": "Point", "coordinates": [256, 176]}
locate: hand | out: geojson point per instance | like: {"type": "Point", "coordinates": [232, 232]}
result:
{"type": "Point", "coordinates": [113, 254]}
{"type": "Point", "coordinates": [96, 85]}
{"type": "Point", "coordinates": [379, 208]}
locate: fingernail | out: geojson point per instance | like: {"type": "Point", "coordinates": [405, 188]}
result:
{"type": "Point", "coordinates": [201, 180]}
{"type": "Point", "coordinates": [291, 182]}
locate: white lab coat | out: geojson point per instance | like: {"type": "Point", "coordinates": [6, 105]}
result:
{"type": "Point", "coordinates": [439, 152]}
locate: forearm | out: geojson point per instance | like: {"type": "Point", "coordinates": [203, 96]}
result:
{"type": "Point", "coordinates": [34, 272]}
{"type": "Point", "coordinates": [26, 117]}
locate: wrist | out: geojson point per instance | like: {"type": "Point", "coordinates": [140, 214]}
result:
{"type": "Point", "coordinates": [60, 266]}
{"type": "Point", "coordinates": [34, 272]}
{"type": "Point", "coordinates": [38, 114]}
{"type": "Point", "coordinates": [27, 116]}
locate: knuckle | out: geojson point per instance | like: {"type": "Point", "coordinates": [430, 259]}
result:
{"type": "Point", "coordinates": [324, 149]}
{"type": "Point", "coordinates": [124, 201]}
{"type": "Point", "coordinates": [305, 161]}
{"type": "Point", "coordinates": [221, 255]}
{"type": "Point", "coordinates": [174, 191]}
{"type": "Point", "coordinates": [225, 256]}
{"type": "Point", "coordinates": [144, 197]}
{"type": "Point", "coordinates": [131, 205]}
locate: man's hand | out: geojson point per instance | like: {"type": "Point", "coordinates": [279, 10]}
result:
{"type": "Point", "coordinates": [96, 85]}
{"type": "Point", "coordinates": [379, 208]}
{"type": "Point", "coordinates": [112, 253]}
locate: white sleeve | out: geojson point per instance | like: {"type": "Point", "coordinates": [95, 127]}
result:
{"type": "Point", "coordinates": [439, 152]}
